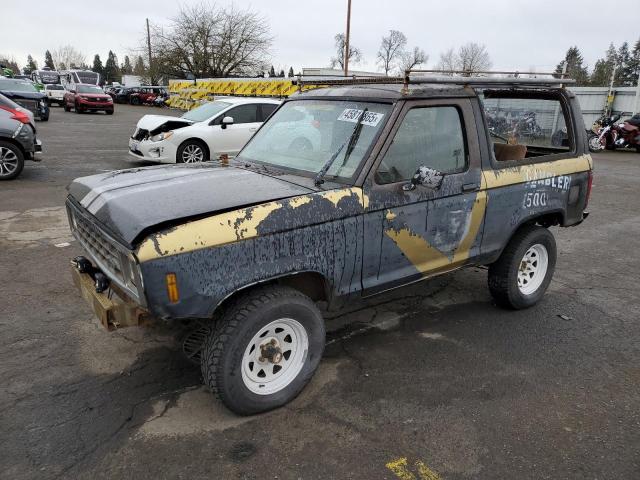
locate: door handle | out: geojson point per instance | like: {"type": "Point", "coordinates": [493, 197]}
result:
{"type": "Point", "coordinates": [470, 187]}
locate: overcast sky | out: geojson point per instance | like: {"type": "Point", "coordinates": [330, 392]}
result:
{"type": "Point", "coordinates": [519, 34]}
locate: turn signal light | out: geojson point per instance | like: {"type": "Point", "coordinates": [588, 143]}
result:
{"type": "Point", "coordinates": [172, 287]}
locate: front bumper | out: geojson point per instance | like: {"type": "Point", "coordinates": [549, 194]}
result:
{"type": "Point", "coordinates": [162, 151]}
{"type": "Point", "coordinates": [113, 312]}
{"type": "Point", "coordinates": [89, 105]}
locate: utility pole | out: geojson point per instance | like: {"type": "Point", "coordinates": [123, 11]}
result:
{"type": "Point", "coordinates": [608, 108]}
{"type": "Point", "coordinates": [636, 105]}
{"type": "Point", "coordinates": [151, 79]}
{"type": "Point", "coordinates": [346, 39]}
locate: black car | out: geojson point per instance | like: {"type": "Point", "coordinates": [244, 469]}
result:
{"type": "Point", "coordinates": [122, 95]}
{"type": "Point", "coordinates": [25, 94]}
{"type": "Point", "coordinates": [17, 138]}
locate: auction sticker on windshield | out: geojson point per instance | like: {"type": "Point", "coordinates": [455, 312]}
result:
{"type": "Point", "coordinates": [371, 119]}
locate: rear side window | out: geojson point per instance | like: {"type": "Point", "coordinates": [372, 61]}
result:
{"type": "Point", "coordinates": [428, 136]}
{"type": "Point", "coordinates": [526, 128]}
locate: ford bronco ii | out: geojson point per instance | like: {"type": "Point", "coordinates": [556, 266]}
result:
{"type": "Point", "coordinates": [387, 184]}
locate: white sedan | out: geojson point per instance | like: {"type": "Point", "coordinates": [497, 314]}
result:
{"type": "Point", "coordinates": [220, 127]}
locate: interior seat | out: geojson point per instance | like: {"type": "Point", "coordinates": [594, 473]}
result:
{"type": "Point", "coordinates": [505, 152]}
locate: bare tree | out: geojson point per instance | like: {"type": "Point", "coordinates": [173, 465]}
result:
{"type": "Point", "coordinates": [470, 58]}
{"type": "Point", "coordinates": [68, 56]}
{"type": "Point", "coordinates": [355, 55]}
{"type": "Point", "coordinates": [473, 57]}
{"type": "Point", "coordinates": [413, 59]}
{"type": "Point", "coordinates": [391, 50]}
{"type": "Point", "coordinates": [204, 40]}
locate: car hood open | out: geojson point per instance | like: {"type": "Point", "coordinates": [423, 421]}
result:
{"type": "Point", "coordinates": [130, 202]}
{"type": "Point", "coordinates": [153, 122]}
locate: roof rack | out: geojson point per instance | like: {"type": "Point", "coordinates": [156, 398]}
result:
{"type": "Point", "coordinates": [451, 77]}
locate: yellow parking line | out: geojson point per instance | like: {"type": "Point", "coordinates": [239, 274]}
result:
{"type": "Point", "coordinates": [400, 468]}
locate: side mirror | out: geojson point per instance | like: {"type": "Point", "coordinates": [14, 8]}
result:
{"type": "Point", "coordinates": [425, 176]}
{"type": "Point", "coordinates": [226, 121]}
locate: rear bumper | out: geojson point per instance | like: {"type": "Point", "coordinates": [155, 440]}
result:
{"type": "Point", "coordinates": [113, 312]}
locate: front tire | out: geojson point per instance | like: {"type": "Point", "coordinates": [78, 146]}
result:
{"type": "Point", "coordinates": [264, 349]}
{"type": "Point", "coordinates": [520, 277]}
{"type": "Point", "coordinates": [192, 151]}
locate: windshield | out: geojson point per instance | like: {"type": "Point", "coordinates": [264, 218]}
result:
{"type": "Point", "coordinates": [206, 111]}
{"type": "Point", "coordinates": [17, 85]}
{"type": "Point", "coordinates": [87, 77]}
{"type": "Point", "coordinates": [304, 134]}
{"type": "Point", "coordinates": [49, 77]}
{"type": "Point", "coordinates": [89, 89]}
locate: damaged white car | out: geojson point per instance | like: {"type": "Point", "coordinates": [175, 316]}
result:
{"type": "Point", "coordinates": [215, 128]}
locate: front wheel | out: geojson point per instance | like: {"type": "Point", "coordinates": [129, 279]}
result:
{"type": "Point", "coordinates": [520, 277]}
{"type": "Point", "coordinates": [192, 151]}
{"type": "Point", "coordinates": [264, 349]}
{"type": "Point", "coordinates": [594, 143]}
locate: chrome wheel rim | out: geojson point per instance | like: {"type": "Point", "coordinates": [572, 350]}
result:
{"type": "Point", "coordinates": [192, 154]}
{"type": "Point", "coordinates": [275, 356]}
{"type": "Point", "coordinates": [595, 144]}
{"type": "Point", "coordinates": [533, 269]}
{"type": "Point", "coordinates": [8, 162]}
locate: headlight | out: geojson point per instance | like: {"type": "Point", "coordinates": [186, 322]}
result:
{"type": "Point", "coordinates": [161, 136]}
{"type": "Point", "coordinates": [43, 103]}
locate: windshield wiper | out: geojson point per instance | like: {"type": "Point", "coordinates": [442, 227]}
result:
{"type": "Point", "coordinates": [353, 138]}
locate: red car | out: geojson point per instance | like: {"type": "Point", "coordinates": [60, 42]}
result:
{"type": "Point", "coordinates": [87, 98]}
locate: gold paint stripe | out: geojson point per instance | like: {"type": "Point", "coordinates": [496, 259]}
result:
{"type": "Point", "coordinates": [537, 171]}
{"type": "Point", "coordinates": [428, 259]}
{"type": "Point", "coordinates": [425, 472]}
{"type": "Point", "coordinates": [228, 227]}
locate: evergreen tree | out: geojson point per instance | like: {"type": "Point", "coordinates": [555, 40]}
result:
{"type": "Point", "coordinates": [111, 71]}
{"type": "Point", "coordinates": [31, 65]}
{"type": "Point", "coordinates": [281, 74]}
{"type": "Point", "coordinates": [575, 68]}
{"type": "Point", "coordinates": [634, 64]}
{"type": "Point", "coordinates": [624, 74]}
{"type": "Point", "coordinates": [97, 65]}
{"type": "Point", "coordinates": [126, 68]}
{"type": "Point", "coordinates": [601, 76]}
{"type": "Point", "coordinates": [291, 74]}
{"type": "Point", "coordinates": [48, 60]}
{"type": "Point", "coordinates": [272, 72]}
{"type": "Point", "coordinates": [139, 68]}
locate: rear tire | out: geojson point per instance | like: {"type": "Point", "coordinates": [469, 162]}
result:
{"type": "Point", "coordinates": [11, 161]}
{"type": "Point", "coordinates": [232, 360]}
{"type": "Point", "coordinates": [109, 112]}
{"type": "Point", "coordinates": [520, 277]}
{"type": "Point", "coordinates": [78, 109]}
{"type": "Point", "coordinates": [66, 107]}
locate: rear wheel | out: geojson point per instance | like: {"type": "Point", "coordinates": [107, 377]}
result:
{"type": "Point", "coordinates": [520, 277]}
{"type": "Point", "coordinates": [78, 108]}
{"type": "Point", "coordinates": [594, 143]}
{"type": "Point", "coordinates": [109, 112]}
{"type": "Point", "coordinates": [192, 151]}
{"type": "Point", "coordinates": [66, 107]}
{"type": "Point", "coordinates": [11, 161]}
{"type": "Point", "coordinates": [264, 349]}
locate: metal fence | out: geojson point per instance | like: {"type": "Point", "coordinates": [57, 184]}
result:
{"type": "Point", "coordinates": [593, 101]}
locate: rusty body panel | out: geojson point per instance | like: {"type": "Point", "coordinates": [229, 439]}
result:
{"type": "Point", "coordinates": [361, 238]}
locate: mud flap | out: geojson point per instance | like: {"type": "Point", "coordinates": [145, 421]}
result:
{"type": "Point", "coordinates": [115, 312]}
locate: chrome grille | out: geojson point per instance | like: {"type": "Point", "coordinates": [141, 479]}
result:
{"type": "Point", "coordinates": [114, 259]}
{"type": "Point", "coordinates": [99, 246]}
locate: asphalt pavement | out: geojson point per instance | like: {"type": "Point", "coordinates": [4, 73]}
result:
{"type": "Point", "coordinates": [429, 382]}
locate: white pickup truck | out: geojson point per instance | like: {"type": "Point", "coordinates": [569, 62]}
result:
{"type": "Point", "coordinates": [54, 93]}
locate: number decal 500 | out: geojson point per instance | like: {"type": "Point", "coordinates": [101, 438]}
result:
{"type": "Point", "coordinates": [534, 199]}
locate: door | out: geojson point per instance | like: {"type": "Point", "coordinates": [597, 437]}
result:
{"type": "Point", "coordinates": [414, 231]}
{"type": "Point", "coordinates": [230, 139]}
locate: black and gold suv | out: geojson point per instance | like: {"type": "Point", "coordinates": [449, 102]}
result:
{"type": "Point", "coordinates": [345, 192]}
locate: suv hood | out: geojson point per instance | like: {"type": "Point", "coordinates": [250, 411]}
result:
{"type": "Point", "coordinates": [128, 202]}
{"type": "Point", "coordinates": [153, 122]}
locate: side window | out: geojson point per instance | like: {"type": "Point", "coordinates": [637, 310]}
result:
{"type": "Point", "coordinates": [267, 109]}
{"type": "Point", "coordinates": [428, 136]}
{"type": "Point", "coordinates": [524, 129]}
{"type": "Point", "coordinates": [244, 113]}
